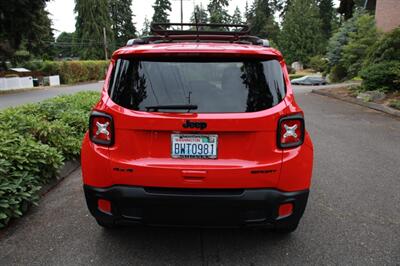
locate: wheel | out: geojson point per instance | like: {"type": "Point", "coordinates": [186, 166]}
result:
{"type": "Point", "coordinates": [286, 229]}
{"type": "Point", "coordinates": [106, 225]}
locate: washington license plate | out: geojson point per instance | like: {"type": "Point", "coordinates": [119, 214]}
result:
{"type": "Point", "coordinates": [194, 146]}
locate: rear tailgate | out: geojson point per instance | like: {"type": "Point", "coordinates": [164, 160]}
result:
{"type": "Point", "coordinates": [247, 153]}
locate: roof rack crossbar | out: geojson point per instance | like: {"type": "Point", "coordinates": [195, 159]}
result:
{"type": "Point", "coordinates": [164, 29]}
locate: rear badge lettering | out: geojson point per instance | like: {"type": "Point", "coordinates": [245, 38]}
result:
{"type": "Point", "coordinates": [263, 171]}
{"type": "Point", "coordinates": [117, 169]}
{"type": "Point", "coordinates": [190, 124]}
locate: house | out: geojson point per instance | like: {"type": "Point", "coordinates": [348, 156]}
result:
{"type": "Point", "coordinates": [387, 13]}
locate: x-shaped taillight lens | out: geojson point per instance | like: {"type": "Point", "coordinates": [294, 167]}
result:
{"type": "Point", "coordinates": [101, 128]}
{"type": "Point", "coordinates": [291, 131]}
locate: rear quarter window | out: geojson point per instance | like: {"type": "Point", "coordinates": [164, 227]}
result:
{"type": "Point", "coordinates": [214, 86]}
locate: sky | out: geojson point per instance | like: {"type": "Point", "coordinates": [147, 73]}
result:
{"type": "Point", "coordinates": [63, 17]}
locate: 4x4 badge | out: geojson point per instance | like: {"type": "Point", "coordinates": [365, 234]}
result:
{"type": "Point", "coordinates": [190, 124]}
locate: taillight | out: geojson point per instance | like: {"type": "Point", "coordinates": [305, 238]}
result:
{"type": "Point", "coordinates": [101, 128]}
{"type": "Point", "coordinates": [291, 131]}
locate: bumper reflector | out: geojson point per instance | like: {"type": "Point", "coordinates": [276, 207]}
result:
{"type": "Point", "coordinates": [104, 205]}
{"type": "Point", "coordinates": [285, 210]}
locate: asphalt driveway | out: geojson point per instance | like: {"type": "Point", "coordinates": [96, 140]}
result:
{"type": "Point", "coordinates": [353, 215]}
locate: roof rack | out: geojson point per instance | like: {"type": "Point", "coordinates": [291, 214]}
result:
{"type": "Point", "coordinates": [199, 32]}
{"type": "Point", "coordinates": [199, 29]}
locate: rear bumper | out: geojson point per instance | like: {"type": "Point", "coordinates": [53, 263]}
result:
{"type": "Point", "coordinates": [195, 207]}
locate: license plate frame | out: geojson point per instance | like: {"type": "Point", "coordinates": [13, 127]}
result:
{"type": "Point", "coordinates": [196, 141]}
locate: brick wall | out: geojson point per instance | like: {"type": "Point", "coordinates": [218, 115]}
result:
{"type": "Point", "coordinates": [387, 14]}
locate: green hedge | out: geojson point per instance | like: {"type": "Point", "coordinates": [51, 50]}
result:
{"type": "Point", "coordinates": [71, 71]}
{"type": "Point", "coordinates": [35, 141]}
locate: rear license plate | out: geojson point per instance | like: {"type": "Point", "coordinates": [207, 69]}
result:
{"type": "Point", "coordinates": [194, 146]}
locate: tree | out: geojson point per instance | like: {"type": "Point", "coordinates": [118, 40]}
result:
{"type": "Point", "coordinates": [301, 35]}
{"type": "Point", "coordinates": [335, 50]}
{"type": "Point", "coordinates": [217, 11]}
{"type": "Point", "coordinates": [360, 41]}
{"type": "Point", "coordinates": [161, 9]}
{"type": "Point", "coordinates": [65, 45]}
{"type": "Point", "coordinates": [146, 27]}
{"type": "Point", "coordinates": [348, 47]}
{"type": "Point", "coordinates": [92, 17]}
{"type": "Point", "coordinates": [24, 21]}
{"type": "Point", "coordinates": [346, 7]}
{"type": "Point", "coordinates": [121, 21]}
{"type": "Point", "coordinates": [284, 8]}
{"type": "Point", "coordinates": [327, 14]}
{"type": "Point", "coordinates": [262, 22]}
{"type": "Point", "coordinates": [338, 41]}
{"type": "Point", "coordinates": [40, 38]}
{"type": "Point", "coordinates": [247, 11]}
{"type": "Point", "coordinates": [200, 13]}
{"type": "Point", "coordinates": [237, 16]}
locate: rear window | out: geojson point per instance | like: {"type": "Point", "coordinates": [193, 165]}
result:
{"type": "Point", "coordinates": [215, 87]}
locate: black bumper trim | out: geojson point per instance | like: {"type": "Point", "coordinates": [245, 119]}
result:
{"type": "Point", "coordinates": [195, 207]}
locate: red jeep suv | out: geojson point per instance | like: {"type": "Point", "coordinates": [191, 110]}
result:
{"type": "Point", "coordinates": [197, 128]}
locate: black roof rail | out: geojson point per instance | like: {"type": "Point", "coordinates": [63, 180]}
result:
{"type": "Point", "coordinates": [199, 32]}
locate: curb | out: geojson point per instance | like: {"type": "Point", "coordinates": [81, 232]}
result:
{"type": "Point", "coordinates": [65, 170]}
{"type": "Point", "coordinates": [375, 106]}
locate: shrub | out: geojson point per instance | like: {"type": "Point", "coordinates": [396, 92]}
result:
{"type": "Point", "coordinates": [338, 73]}
{"type": "Point", "coordinates": [21, 56]}
{"type": "Point", "coordinates": [33, 65]}
{"type": "Point", "coordinates": [71, 71]}
{"type": "Point", "coordinates": [54, 133]}
{"type": "Point", "coordinates": [318, 63]}
{"type": "Point", "coordinates": [384, 76]}
{"type": "Point", "coordinates": [25, 165]}
{"type": "Point", "coordinates": [36, 139]}
{"type": "Point", "coordinates": [386, 48]}
{"type": "Point", "coordinates": [55, 108]}
{"type": "Point", "coordinates": [50, 68]}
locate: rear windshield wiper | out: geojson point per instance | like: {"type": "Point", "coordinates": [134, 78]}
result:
{"type": "Point", "coordinates": [188, 107]}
